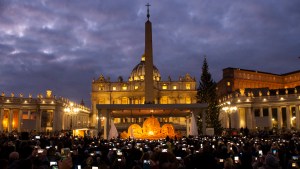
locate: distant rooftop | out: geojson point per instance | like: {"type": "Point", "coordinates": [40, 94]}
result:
{"type": "Point", "coordinates": [297, 71]}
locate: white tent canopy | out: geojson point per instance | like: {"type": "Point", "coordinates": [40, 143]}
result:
{"type": "Point", "coordinates": [113, 132]}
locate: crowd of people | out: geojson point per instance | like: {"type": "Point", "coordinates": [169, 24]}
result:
{"type": "Point", "coordinates": [41, 151]}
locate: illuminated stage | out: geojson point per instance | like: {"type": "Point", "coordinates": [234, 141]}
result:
{"type": "Point", "coordinates": [151, 127]}
{"type": "Point", "coordinates": [151, 130]}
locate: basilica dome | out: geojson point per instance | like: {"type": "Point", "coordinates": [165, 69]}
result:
{"type": "Point", "coordinates": [138, 72]}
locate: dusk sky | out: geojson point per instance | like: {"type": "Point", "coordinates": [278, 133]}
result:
{"type": "Point", "coordinates": [62, 45]}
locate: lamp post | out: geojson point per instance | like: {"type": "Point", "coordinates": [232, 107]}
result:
{"type": "Point", "coordinates": [229, 109]}
{"type": "Point", "coordinates": [71, 110]}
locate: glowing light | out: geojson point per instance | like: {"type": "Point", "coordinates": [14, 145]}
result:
{"type": "Point", "coordinates": [281, 98]}
{"type": "Point", "coordinates": [67, 109]}
{"type": "Point", "coordinates": [264, 99]}
{"type": "Point", "coordinates": [273, 119]}
{"type": "Point", "coordinates": [225, 108]}
{"type": "Point", "coordinates": [151, 133]}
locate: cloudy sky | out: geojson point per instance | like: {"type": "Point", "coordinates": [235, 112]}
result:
{"type": "Point", "coordinates": [63, 44]}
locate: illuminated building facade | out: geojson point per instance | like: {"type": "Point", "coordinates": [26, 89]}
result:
{"type": "Point", "coordinates": [43, 114]}
{"type": "Point", "coordinates": [143, 94]}
{"type": "Point", "coordinates": [235, 79]}
{"type": "Point", "coordinates": [261, 100]}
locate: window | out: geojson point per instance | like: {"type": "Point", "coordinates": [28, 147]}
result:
{"type": "Point", "coordinates": [136, 87]}
{"type": "Point", "coordinates": [164, 87]}
{"type": "Point", "coordinates": [188, 86]}
{"type": "Point", "coordinates": [188, 100]}
{"type": "Point", "coordinates": [124, 100]}
{"type": "Point", "coordinates": [114, 88]}
{"type": "Point", "coordinates": [164, 100]}
{"type": "Point", "coordinates": [228, 84]}
{"type": "Point", "coordinates": [174, 87]}
{"type": "Point", "coordinates": [124, 87]}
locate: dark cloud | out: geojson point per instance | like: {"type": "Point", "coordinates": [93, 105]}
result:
{"type": "Point", "coordinates": [63, 45]}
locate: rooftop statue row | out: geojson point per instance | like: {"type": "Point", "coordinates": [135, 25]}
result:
{"type": "Point", "coordinates": [186, 78]}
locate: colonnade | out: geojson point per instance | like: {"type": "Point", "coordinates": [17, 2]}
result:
{"type": "Point", "coordinates": [11, 119]}
{"type": "Point", "coordinates": [263, 117]}
{"type": "Point", "coordinates": [75, 121]}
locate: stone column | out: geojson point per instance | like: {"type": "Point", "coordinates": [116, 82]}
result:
{"type": "Point", "coordinates": [1, 119]}
{"type": "Point", "coordinates": [106, 123]}
{"type": "Point", "coordinates": [270, 117]}
{"type": "Point", "coordinates": [254, 125]}
{"type": "Point", "coordinates": [98, 127]}
{"type": "Point", "coordinates": [288, 117]}
{"type": "Point", "coordinates": [249, 118]}
{"type": "Point", "coordinates": [29, 114]}
{"type": "Point", "coordinates": [237, 119]}
{"type": "Point", "coordinates": [63, 120]}
{"type": "Point", "coordinates": [261, 110]}
{"type": "Point", "coordinates": [74, 121]}
{"type": "Point", "coordinates": [279, 117]}
{"type": "Point", "coordinates": [10, 120]}
{"type": "Point", "coordinates": [20, 120]}
{"type": "Point", "coordinates": [297, 117]}
{"type": "Point", "coordinates": [187, 125]}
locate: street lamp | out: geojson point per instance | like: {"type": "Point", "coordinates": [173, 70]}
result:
{"type": "Point", "coordinates": [71, 110]}
{"type": "Point", "coordinates": [229, 109]}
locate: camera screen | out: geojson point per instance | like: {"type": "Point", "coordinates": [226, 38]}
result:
{"type": "Point", "coordinates": [53, 163]}
{"type": "Point", "coordinates": [40, 151]}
